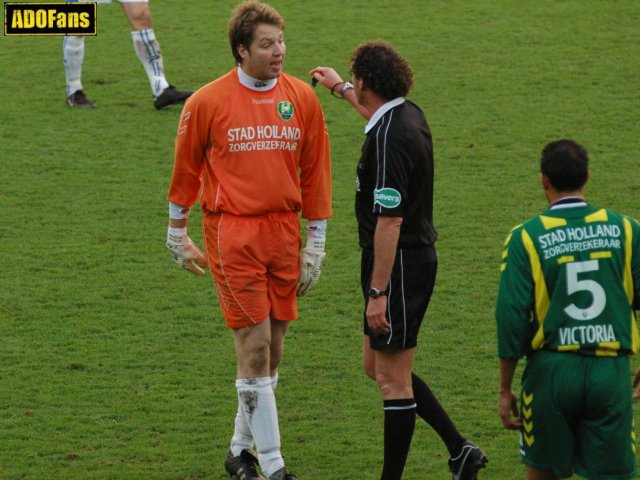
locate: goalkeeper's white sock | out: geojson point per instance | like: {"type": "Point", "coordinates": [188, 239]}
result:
{"type": "Point", "coordinates": [148, 50]}
{"type": "Point", "coordinates": [258, 403]}
{"type": "Point", "coordinates": [242, 438]}
{"type": "Point", "coordinates": [73, 57]}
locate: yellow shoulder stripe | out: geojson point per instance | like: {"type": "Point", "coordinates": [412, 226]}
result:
{"type": "Point", "coordinates": [599, 216]}
{"type": "Point", "coordinates": [552, 222]}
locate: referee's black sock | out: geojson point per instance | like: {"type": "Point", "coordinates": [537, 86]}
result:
{"type": "Point", "coordinates": [430, 410]}
{"type": "Point", "coordinates": [399, 424]}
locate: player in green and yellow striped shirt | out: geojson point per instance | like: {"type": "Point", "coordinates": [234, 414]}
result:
{"type": "Point", "coordinates": [569, 288]}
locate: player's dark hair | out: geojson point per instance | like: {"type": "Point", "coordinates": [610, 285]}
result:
{"type": "Point", "coordinates": [244, 20]}
{"type": "Point", "coordinates": [382, 69]}
{"type": "Point", "coordinates": [566, 164]}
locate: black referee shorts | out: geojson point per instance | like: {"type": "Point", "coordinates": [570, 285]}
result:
{"type": "Point", "coordinates": [410, 288]}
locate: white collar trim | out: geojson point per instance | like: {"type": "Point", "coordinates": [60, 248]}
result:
{"type": "Point", "coordinates": [578, 202]}
{"type": "Point", "coordinates": [254, 83]}
{"type": "Point", "coordinates": [381, 111]}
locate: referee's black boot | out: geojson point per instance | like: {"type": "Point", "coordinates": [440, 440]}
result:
{"type": "Point", "coordinates": [466, 464]}
{"type": "Point", "coordinates": [244, 466]}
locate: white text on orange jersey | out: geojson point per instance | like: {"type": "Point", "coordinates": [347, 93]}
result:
{"type": "Point", "coordinates": [263, 132]}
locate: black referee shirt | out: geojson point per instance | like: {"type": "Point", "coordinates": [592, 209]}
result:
{"type": "Point", "coordinates": [395, 177]}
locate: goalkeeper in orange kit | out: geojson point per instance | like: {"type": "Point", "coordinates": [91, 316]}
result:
{"type": "Point", "coordinates": [253, 146]}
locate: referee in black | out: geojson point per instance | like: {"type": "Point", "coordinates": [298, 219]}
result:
{"type": "Point", "coordinates": [394, 209]}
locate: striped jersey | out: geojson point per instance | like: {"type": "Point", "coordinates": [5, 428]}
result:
{"type": "Point", "coordinates": [569, 281]}
{"type": "Point", "coordinates": [249, 152]}
{"type": "Point", "coordinates": [395, 175]}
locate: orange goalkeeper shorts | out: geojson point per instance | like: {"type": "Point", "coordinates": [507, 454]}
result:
{"type": "Point", "coordinates": [255, 263]}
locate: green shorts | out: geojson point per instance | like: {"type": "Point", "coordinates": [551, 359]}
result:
{"type": "Point", "coordinates": [577, 416]}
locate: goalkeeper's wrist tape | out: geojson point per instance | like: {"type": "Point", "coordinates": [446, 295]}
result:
{"type": "Point", "coordinates": [178, 212]}
{"type": "Point", "coordinates": [316, 235]}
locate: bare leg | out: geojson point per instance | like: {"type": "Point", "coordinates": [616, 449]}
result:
{"type": "Point", "coordinates": [534, 474]}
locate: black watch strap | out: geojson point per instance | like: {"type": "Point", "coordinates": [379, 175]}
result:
{"type": "Point", "coordinates": [375, 293]}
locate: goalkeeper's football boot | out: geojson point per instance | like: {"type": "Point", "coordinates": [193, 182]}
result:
{"type": "Point", "coordinates": [244, 466]}
{"type": "Point", "coordinates": [282, 474]}
{"type": "Point", "coordinates": [466, 464]}
{"type": "Point", "coordinates": [170, 96]}
{"type": "Point", "coordinates": [79, 100]}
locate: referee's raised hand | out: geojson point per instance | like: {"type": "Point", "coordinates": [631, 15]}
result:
{"type": "Point", "coordinates": [326, 76]}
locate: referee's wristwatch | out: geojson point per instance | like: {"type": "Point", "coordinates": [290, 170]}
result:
{"type": "Point", "coordinates": [346, 86]}
{"type": "Point", "coordinates": [375, 293]}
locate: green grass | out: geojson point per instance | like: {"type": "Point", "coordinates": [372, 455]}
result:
{"type": "Point", "coordinates": [114, 364]}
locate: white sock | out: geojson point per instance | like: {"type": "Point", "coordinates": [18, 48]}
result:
{"type": "Point", "coordinates": [242, 438]}
{"type": "Point", "coordinates": [258, 403]}
{"type": "Point", "coordinates": [148, 50]}
{"type": "Point", "coordinates": [73, 57]}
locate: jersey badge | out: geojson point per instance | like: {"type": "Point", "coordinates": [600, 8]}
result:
{"type": "Point", "coordinates": [387, 197]}
{"type": "Point", "coordinates": [285, 110]}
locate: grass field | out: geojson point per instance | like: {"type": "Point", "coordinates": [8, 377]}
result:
{"type": "Point", "coordinates": [115, 364]}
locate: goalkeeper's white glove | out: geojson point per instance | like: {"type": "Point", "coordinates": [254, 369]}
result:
{"type": "Point", "coordinates": [311, 256]}
{"type": "Point", "coordinates": [184, 252]}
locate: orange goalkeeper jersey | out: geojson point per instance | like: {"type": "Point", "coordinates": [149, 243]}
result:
{"type": "Point", "coordinates": [250, 152]}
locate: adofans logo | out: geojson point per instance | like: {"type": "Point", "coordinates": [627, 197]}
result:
{"type": "Point", "coordinates": [50, 18]}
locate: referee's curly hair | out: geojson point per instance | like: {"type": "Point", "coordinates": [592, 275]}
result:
{"type": "Point", "coordinates": [382, 69]}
